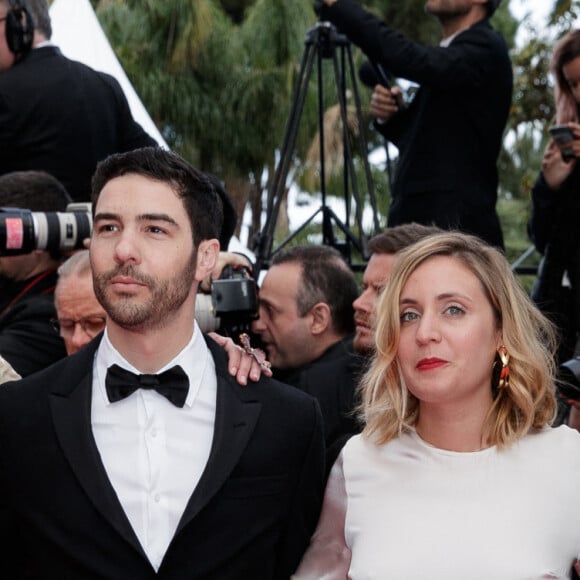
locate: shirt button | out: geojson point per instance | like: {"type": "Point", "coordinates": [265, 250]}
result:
{"type": "Point", "coordinates": [157, 498]}
{"type": "Point", "coordinates": [154, 432]}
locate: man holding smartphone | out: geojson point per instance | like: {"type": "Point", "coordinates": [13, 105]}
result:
{"type": "Point", "coordinates": [450, 136]}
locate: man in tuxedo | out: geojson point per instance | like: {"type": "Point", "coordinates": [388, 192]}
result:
{"type": "Point", "coordinates": [140, 456]}
{"type": "Point", "coordinates": [449, 137]}
{"type": "Point", "coordinates": [56, 114]}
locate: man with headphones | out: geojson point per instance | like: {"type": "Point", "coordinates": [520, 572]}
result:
{"type": "Point", "coordinates": [19, 33]}
{"type": "Point", "coordinates": [56, 115]}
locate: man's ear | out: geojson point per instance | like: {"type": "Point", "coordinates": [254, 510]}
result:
{"type": "Point", "coordinates": [207, 255]}
{"type": "Point", "coordinates": [321, 319]}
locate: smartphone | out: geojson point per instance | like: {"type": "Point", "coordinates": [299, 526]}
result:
{"type": "Point", "coordinates": [563, 136]}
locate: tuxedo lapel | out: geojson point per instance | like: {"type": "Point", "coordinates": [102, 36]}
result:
{"type": "Point", "coordinates": [71, 412]}
{"type": "Point", "coordinates": [237, 412]}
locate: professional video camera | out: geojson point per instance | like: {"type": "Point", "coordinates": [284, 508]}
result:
{"type": "Point", "coordinates": [232, 304]}
{"type": "Point", "coordinates": [23, 231]}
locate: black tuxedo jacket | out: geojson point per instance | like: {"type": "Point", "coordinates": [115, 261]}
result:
{"type": "Point", "coordinates": [61, 116]}
{"type": "Point", "coordinates": [450, 137]}
{"type": "Point", "coordinates": [250, 517]}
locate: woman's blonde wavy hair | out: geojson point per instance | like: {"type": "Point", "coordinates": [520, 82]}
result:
{"type": "Point", "coordinates": [389, 409]}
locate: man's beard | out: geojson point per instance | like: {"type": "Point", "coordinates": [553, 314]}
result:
{"type": "Point", "coordinates": [362, 343]}
{"type": "Point", "coordinates": [446, 13]}
{"type": "Point", "coordinates": [166, 297]}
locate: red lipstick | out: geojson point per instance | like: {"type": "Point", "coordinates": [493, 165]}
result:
{"type": "Point", "coordinates": [428, 364]}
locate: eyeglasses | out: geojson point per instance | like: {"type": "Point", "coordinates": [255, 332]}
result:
{"type": "Point", "coordinates": [92, 325]}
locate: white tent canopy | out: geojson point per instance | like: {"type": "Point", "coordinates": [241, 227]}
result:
{"type": "Point", "coordinates": [78, 33]}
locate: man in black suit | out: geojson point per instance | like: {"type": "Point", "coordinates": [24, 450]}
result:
{"type": "Point", "coordinates": [306, 325]}
{"type": "Point", "coordinates": [450, 136]}
{"type": "Point", "coordinates": [56, 114]}
{"type": "Point", "coordinates": [139, 457]}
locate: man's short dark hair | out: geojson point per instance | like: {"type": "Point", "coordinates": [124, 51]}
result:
{"type": "Point", "coordinates": [230, 220]}
{"type": "Point", "coordinates": [40, 16]}
{"type": "Point", "coordinates": [36, 191]}
{"type": "Point", "coordinates": [397, 238]}
{"type": "Point", "coordinates": [197, 191]}
{"type": "Point", "coordinates": [326, 278]}
{"type": "Point", "coordinates": [33, 190]}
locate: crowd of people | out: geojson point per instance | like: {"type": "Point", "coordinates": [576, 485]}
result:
{"type": "Point", "coordinates": [403, 431]}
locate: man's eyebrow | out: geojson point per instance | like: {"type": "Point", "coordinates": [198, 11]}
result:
{"type": "Point", "coordinates": [156, 217]}
{"type": "Point", "coordinates": [266, 302]}
{"type": "Point", "coordinates": [106, 216]}
{"type": "Point", "coordinates": [142, 218]}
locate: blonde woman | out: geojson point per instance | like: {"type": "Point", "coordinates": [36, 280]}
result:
{"type": "Point", "coordinates": [457, 473]}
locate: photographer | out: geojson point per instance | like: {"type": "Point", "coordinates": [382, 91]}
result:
{"type": "Point", "coordinates": [56, 114]}
{"type": "Point", "coordinates": [450, 136]}
{"type": "Point", "coordinates": [555, 205]}
{"type": "Point", "coordinates": [27, 338]}
{"type": "Point", "coordinates": [553, 227]}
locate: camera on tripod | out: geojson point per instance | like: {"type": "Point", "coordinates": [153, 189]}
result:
{"type": "Point", "coordinates": [232, 304]}
{"type": "Point", "coordinates": [22, 231]}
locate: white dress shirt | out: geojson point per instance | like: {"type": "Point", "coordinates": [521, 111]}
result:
{"type": "Point", "coordinates": [154, 452]}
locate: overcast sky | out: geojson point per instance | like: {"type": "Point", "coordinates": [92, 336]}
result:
{"type": "Point", "coordinates": [537, 10]}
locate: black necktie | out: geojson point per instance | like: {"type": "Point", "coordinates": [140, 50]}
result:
{"type": "Point", "coordinates": [173, 384]}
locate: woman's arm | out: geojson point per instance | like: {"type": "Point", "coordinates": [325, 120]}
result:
{"type": "Point", "coordinates": [328, 557]}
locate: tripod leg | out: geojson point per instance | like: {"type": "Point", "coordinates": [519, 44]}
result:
{"type": "Point", "coordinates": [363, 143]}
{"type": "Point", "coordinates": [276, 193]}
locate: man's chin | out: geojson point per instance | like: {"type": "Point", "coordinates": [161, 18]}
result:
{"type": "Point", "coordinates": [363, 343]}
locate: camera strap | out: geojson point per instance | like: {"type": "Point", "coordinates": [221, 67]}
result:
{"type": "Point", "coordinates": [32, 284]}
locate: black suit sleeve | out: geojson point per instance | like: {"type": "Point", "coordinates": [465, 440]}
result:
{"type": "Point", "coordinates": [470, 60]}
{"type": "Point", "coordinates": [304, 509]}
{"type": "Point", "coordinates": [130, 135]}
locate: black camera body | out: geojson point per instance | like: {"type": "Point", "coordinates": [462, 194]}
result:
{"type": "Point", "coordinates": [22, 231]}
{"type": "Point", "coordinates": [569, 379]}
{"type": "Point", "coordinates": [232, 304]}
{"type": "Point", "coordinates": [235, 293]}
{"type": "Point", "coordinates": [235, 300]}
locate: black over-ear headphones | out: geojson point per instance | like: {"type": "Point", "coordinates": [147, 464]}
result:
{"type": "Point", "coordinates": [19, 28]}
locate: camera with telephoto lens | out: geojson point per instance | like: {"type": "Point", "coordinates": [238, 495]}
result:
{"type": "Point", "coordinates": [569, 379]}
{"type": "Point", "coordinates": [22, 231]}
{"type": "Point", "coordinates": [232, 304]}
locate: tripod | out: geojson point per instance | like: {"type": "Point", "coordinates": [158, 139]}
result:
{"type": "Point", "coordinates": [322, 42]}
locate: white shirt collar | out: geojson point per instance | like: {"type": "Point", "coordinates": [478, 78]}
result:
{"type": "Point", "coordinates": [43, 44]}
{"type": "Point", "coordinates": [447, 41]}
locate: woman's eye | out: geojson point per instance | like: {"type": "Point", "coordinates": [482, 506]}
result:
{"type": "Point", "coordinates": [455, 310]}
{"type": "Point", "coordinates": [409, 316]}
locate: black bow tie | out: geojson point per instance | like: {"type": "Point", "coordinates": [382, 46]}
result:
{"type": "Point", "coordinates": [173, 384]}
